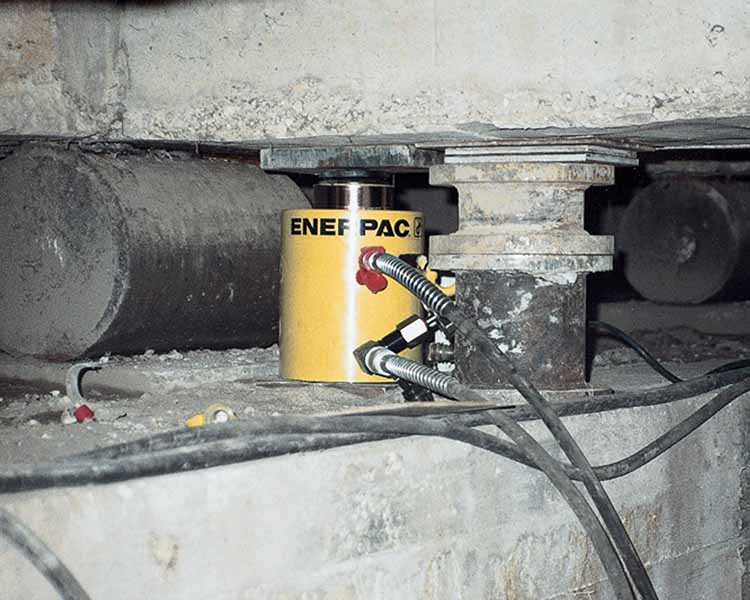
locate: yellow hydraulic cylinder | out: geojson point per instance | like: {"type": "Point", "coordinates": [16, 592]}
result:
{"type": "Point", "coordinates": [325, 313]}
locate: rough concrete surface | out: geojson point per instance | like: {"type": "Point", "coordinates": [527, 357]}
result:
{"type": "Point", "coordinates": [413, 518]}
{"type": "Point", "coordinates": [278, 69]}
{"type": "Point", "coordinates": [721, 318]}
{"type": "Point", "coordinates": [374, 522]}
{"type": "Point", "coordinates": [134, 396]}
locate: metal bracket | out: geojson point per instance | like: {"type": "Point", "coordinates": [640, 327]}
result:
{"type": "Point", "coordinates": [74, 376]}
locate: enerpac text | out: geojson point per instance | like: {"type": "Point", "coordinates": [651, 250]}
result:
{"type": "Point", "coordinates": [340, 226]}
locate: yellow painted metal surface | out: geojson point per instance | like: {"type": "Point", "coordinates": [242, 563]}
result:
{"type": "Point", "coordinates": [325, 314]}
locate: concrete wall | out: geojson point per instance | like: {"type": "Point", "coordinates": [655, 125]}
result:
{"type": "Point", "coordinates": [62, 68]}
{"type": "Point", "coordinates": [412, 519]}
{"type": "Point", "coordinates": [243, 70]}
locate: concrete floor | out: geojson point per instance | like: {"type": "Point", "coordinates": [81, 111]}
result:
{"type": "Point", "coordinates": [150, 393]}
{"type": "Point", "coordinates": [409, 518]}
{"type": "Point", "coordinates": [135, 396]}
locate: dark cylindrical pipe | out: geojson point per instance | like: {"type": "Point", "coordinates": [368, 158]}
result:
{"type": "Point", "coordinates": [685, 240]}
{"type": "Point", "coordinates": [103, 254]}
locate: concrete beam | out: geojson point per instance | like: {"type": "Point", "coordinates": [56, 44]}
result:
{"type": "Point", "coordinates": [257, 71]}
{"type": "Point", "coordinates": [411, 518]}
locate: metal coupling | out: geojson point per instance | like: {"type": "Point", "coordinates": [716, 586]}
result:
{"type": "Point", "coordinates": [369, 255]}
{"type": "Point", "coordinates": [438, 352]}
{"type": "Point", "coordinates": [373, 357]}
{"type": "Point", "coordinates": [377, 360]}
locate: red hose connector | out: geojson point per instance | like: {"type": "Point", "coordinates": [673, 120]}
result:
{"type": "Point", "coordinates": [374, 281]}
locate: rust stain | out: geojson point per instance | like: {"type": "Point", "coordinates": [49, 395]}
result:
{"type": "Point", "coordinates": [590, 569]}
{"type": "Point", "coordinates": [512, 579]}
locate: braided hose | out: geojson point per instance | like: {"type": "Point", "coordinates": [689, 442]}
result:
{"type": "Point", "coordinates": [417, 373]}
{"type": "Point", "coordinates": [413, 280]}
{"type": "Point", "coordinates": [614, 530]}
{"type": "Point", "coordinates": [434, 299]}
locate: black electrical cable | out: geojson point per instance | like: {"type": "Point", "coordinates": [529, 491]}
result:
{"type": "Point", "coordinates": [664, 442]}
{"type": "Point", "coordinates": [243, 449]}
{"type": "Point", "coordinates": [233, 450]}
{"type": "Point", "coordinates": [606, 547]}
{"type": "Point", "coordinates": [652, 361]}
{"type": "Point", "coordinates": [211, 453]}
{"type": "Point", "coordinates": [272, 437]}
{"type": "Point", "coordinates": [43, 559]}
{"type": "Point", "coordinates": [689, 388]}
{"type": "Point", "coordinates": [675, 434]}
{"type": "Point", "coordinates": [641, 457]}
{"type": "Point", "coordinates": [188, 437]}
{"type": "Point", "coordinates": [567, 443]}
{"type": "Point", "coordinates": [588, 405]}
{"type": "Point", "coordinates": [730, 366]}
{"type": "Point", "coordinates": [413, 280]}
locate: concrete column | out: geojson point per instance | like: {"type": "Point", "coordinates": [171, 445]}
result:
{"type": "Point", "coordinates": [521, 256]}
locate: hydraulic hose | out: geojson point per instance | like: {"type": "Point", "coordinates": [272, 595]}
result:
{"type": "Point", "coordinates": [652, 361]}
{"type": "Point", "coordinates": [443, 306]}
{"type": "Point", "coordinates": [412, 279]}
{"type": "Point", "coordinates": [674, 435]}
{"type": "Point", "coordinates": [308, 437]}
{"type": "Point", "coordinates": [432, 297]}
{"type": "Point", "coordinates": [620, 335]}
{"type": "Point", "coordinates": [271, 437]}
{"type": "Point", "coordinates": [254, 444]}
{"type": "Point", "coordinates": [43, 559]}
{"type": "Point", "coordinates": [449, 386]}
{"type": "Point", "coordinates": [730, 366]}
{"type": "Point", "coordinates": [689, 388]}
{"type": "Point", "coordinates": [659, 446]}
{"type": "Point", "coordinates": [623, 400]}
{"type": "Point", "coordinates": [379, 360]}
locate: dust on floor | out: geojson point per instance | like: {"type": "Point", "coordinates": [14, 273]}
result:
{"type": "Point", "coordinates": [135, 396]}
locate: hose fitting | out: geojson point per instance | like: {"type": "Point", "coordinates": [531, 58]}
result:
{"type": "Point", "coordinates": [371, 357]}
{"type": "Point", "coordinates": [438, 352]}
{"type": "Point", "coordinates": [377, 360]}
